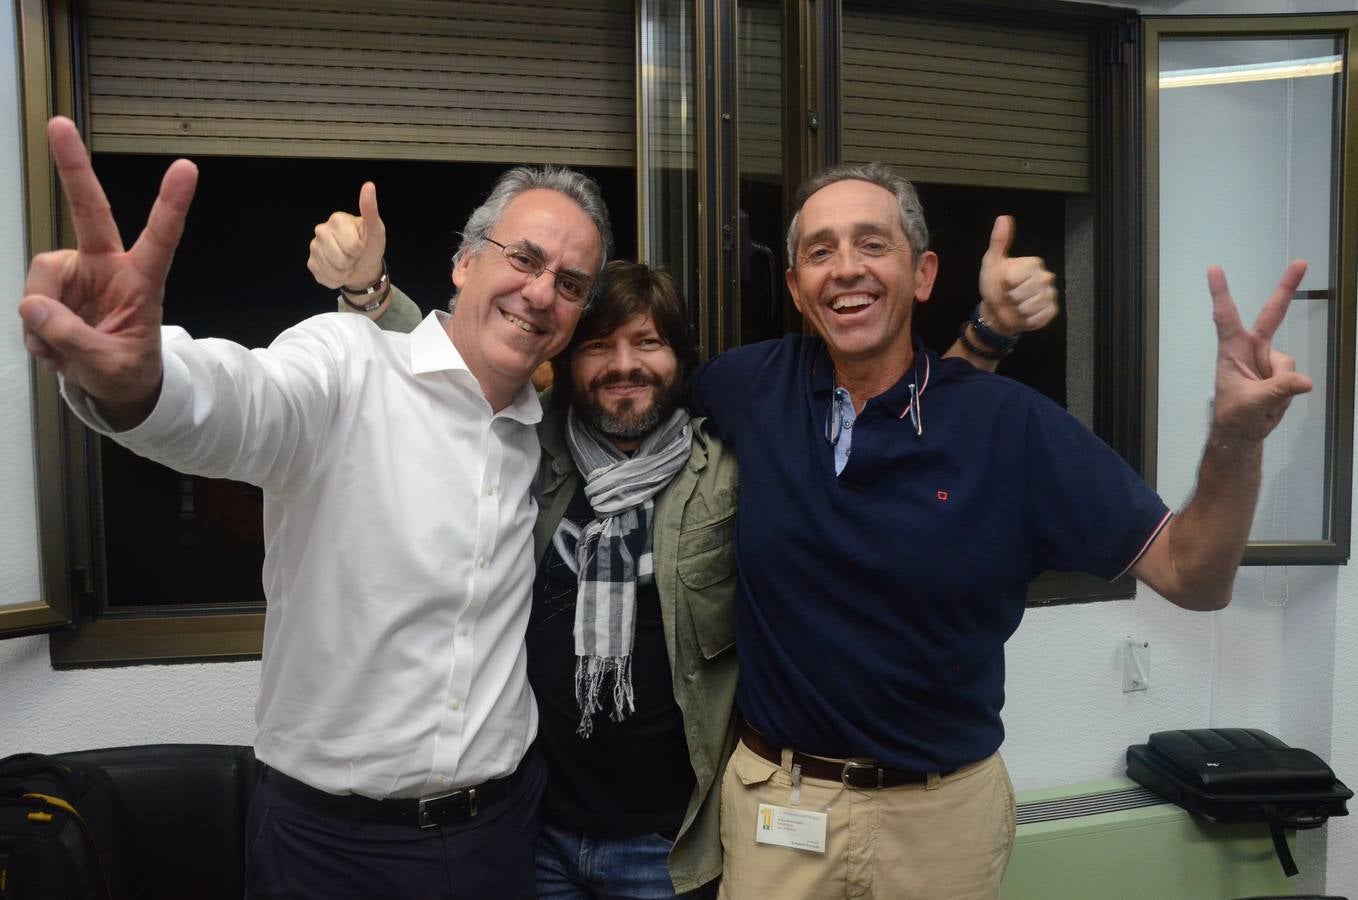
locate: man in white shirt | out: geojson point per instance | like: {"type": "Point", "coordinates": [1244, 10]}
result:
{"type": "Point", "coordinates": [394, 713]}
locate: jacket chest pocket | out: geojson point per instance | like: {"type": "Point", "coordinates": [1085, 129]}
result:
{"type": "Point", "coordinates": [707, 575]}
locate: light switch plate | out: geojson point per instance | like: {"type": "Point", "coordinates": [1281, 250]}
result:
{"type": "Point", "coordinates": [1136, 665]}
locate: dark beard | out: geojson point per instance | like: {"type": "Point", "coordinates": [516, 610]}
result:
{"type": "Point", "coordinates": [628, 422]}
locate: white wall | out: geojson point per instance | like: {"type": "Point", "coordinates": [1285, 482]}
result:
{"type": "Point", "coordinates": [1258, 663]}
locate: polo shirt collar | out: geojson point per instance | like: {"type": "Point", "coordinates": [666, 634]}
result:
{"type": "Point", "coordinates": [432, 350]}
{"type": "Point", "coordinates": [896, 398]}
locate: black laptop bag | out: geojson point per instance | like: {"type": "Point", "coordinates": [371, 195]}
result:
{"type": "Point", "coordinates": [1240, 775]}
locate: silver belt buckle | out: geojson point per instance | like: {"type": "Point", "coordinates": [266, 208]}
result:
{"type": "Point", "coordinates": [425, 815]}
{"type": "Point", "coordinates": [860, 763]}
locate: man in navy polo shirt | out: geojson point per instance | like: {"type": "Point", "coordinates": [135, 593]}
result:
{"type": "Point", "coordinates": [894, 507]}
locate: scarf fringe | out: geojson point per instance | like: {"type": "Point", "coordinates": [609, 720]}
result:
{"type": "Point", "coordinates": [590, 672]}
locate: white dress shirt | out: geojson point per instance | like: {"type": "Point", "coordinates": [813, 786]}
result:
{"type": "Point", "coordinates": [398, 563]}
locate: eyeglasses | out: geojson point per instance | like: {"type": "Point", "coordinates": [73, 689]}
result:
{"type": "Point", "coordinates": [570, 288]}
{"type": "Point", "coordinates": [834, 420]}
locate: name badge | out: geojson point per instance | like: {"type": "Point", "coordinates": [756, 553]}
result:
{"type": "Point", "coordinates": [795, 828]}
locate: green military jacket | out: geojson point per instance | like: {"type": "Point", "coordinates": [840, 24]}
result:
{"type": "Point", "coordinates": [695, 572]}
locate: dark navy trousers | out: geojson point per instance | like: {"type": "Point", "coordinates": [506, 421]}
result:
{"type": "Point", "coordinates": [295, 852]}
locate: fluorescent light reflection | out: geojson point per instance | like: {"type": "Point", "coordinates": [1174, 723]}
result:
{"type": "Point", "coordinates": [1297, 68]}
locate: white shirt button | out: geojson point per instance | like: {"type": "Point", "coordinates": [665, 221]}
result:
{"type": "Point", "coordinates": [464, 631]}
{"type": "Point", "coordinates": [482, 562]}
{"type": "Point", "coordinates": [455, 703]}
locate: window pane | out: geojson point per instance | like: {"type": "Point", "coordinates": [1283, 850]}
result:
{"type": "Point", "coordinates": [762, 221]}
{"type": "Point", "coordinates": [1248, 159]}
{"type": "Point", "coordinates": [667, 111]}
{"type": "Point", "coordinates": [19, 583]}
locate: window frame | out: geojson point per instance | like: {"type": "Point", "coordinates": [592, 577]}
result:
{"type": "Point", "coordinates": [44, 52]}
{"type": "Point", "coordinates": [83, 633]}
{"type": "Point", "coordinates": [65, 452]}
{"type": "Point", "coordinates": [1119, 328]}
{"type": "Point", "coordinates": [1339, 449]}
{"type": "Point", "coordinates": [67, 455]}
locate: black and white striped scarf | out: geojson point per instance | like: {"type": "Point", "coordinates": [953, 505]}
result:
{"type": "Point", "coordinates": [614, 552]}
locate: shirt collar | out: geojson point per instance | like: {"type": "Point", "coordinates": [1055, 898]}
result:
{"type": "Point", "coordinates": [897, 397]}
{"type": "Point", "coordinates": [432, 350]}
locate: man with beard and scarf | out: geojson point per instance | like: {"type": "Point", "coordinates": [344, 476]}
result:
{"type": "Point", "coordinates": [630, 642]}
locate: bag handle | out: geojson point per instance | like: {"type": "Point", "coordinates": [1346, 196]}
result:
{"type": "Point", "coordinates": [1276, 823]}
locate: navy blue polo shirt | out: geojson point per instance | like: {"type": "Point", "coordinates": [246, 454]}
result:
{"type": "Point", "coordinates": [875, 604]}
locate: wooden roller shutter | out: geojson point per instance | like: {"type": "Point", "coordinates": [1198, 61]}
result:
{"type": "Point", "coordinates": [404, 79]}
{"type": "Point", "coordinates": [761, 91]}
{"type": "Point", "coordinates": [957, 102]}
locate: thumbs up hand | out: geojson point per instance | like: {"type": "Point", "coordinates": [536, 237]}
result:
{"type": "Point", "coordinates": [347, 249]}
{"type": "Point", "coordinates": [1018, 294]}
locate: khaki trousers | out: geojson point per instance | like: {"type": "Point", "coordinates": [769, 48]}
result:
{"type": "Point", "coordinates": [948, 838]}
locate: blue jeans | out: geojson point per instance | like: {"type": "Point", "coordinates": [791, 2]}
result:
{"type": "Point", "coordinates": [573, 865]}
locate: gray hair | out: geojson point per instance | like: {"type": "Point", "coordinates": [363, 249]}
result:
{"type": "Point", "coordinates": [912, 213]}
{"type": "Point", "coordinates": [574, 185]}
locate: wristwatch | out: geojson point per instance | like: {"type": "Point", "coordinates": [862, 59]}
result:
{"type": "Point", "coordinates": [1001, 345]}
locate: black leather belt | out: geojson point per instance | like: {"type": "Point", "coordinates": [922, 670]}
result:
{"type": "Point", "coordinates": [426, 812]}
{"type": "Point", "coordinates": [865, 774]}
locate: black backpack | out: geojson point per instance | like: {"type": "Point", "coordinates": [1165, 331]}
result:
{"type": "Point", "coordinates": [63, 832]}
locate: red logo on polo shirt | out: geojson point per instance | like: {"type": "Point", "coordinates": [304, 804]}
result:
{"type": "Point", "coordinates": [942, 495]}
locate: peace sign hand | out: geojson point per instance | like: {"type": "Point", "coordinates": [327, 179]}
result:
{"type": "Point", "coordinates": [1254, 382]}
{"type": "Point", "coordinates": [94, 313]}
